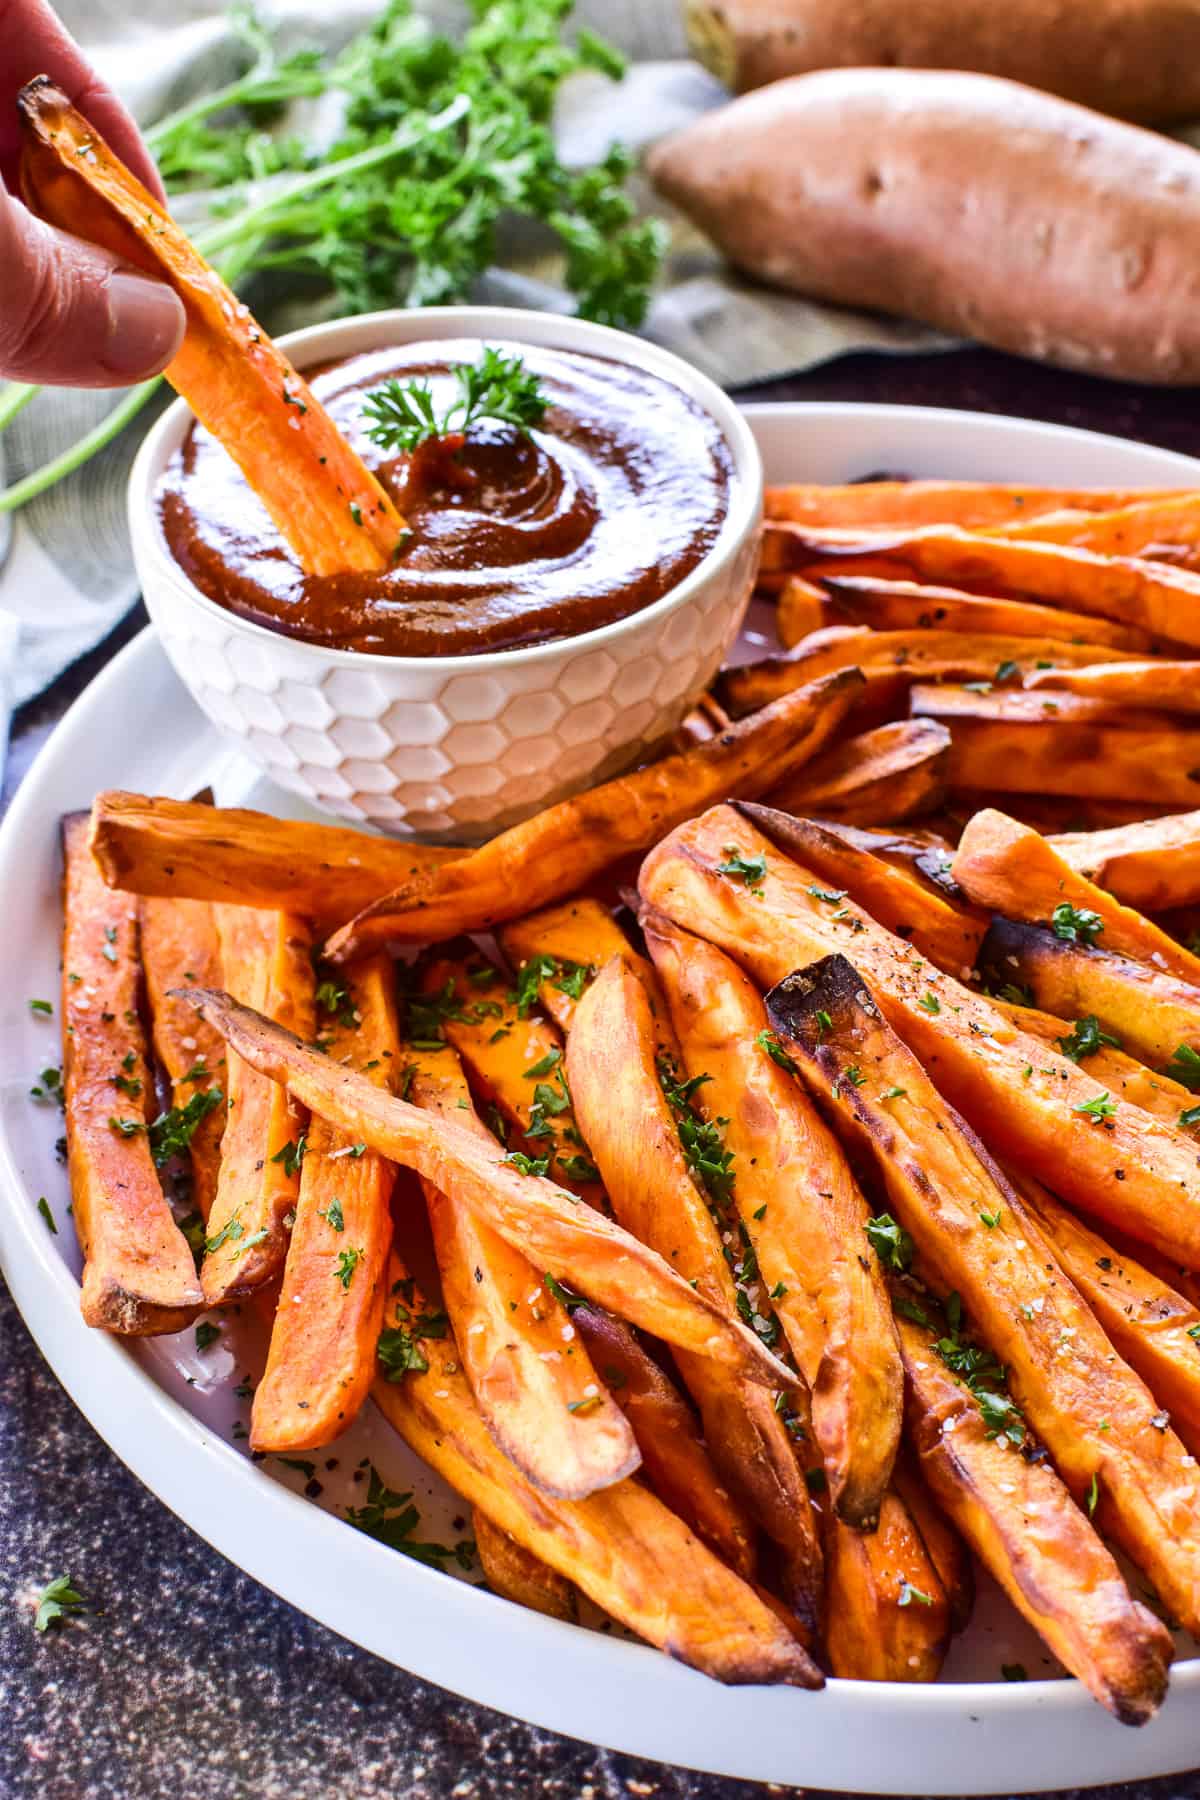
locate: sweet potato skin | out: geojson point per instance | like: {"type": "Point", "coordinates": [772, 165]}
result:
{"type": "Point", "coordinates": [321, 1359]}
{"type": "Point", "coordinates": [1023, 1525]}
{"type": "Point", "coordinates": [879, 1629]}
{"type": "Point", "coordinates": [803, 1212]}
{"type": "Point", "coordinates": [847, 186]}
{"type": "Point", "coordinates": [1152, 864]}
{"type": "Point", "coordinates": [179, 944]}
{"type": "Point", "coordinates": [139, 1279]}
{"type": "Point", "coordinates": [1011, 869]}
{"type": "Point", "coordinates": [178, 849]}
{"type": "Point", "coordinates": [516, 1574]}
{"type": "Point", "coordinates": [1095, 1415]}
{"type": "Point", "coordinates": [634, 1140]}
{"type": "Point", "coordinates": [910, 605]}
{"type": "Point", "coordinates": [561, 849]}
{"type": "Point", "coordinates": [1117, 57]}
{"type": "Point", "coordinates": [622, 1547]}
{"type": "Point", "coordinates": [1169, 685]}
{"type": "Point", "coordinates": [891, 773]}
{"type": "Point", "coordinates": [975, 505]}
{"type": "Point", "coordinates": [545, 1222]}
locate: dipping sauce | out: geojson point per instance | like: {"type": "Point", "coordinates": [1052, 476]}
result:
{"type": "Point", "coordinates": [601, 510]}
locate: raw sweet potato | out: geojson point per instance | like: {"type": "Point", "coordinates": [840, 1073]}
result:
{"type": "Point", "coordinates": [178, 849]}
{"type": "Point", "coordinates": [1151, 596]}
{"type": "Point", "coordinates": [516, 1574]}
{"type": "Point", "coordinates": [561, 849]}
{"type": "Point", "coordinates": [1155, 1329]}
{"type": "Point", "coordinates": [553, 1228]}
{"type": "Point", "coordinates": [179, 944]}
{"type": "Point", "coordinates": [975, 505]}
{"type": "Point", "coordinates": [977, 1238]}
{"type": "Point", "coordinates": [329, 507]}
{"type": "Point", "coordinates": [138, 1275]}
{"type": "Point", "coordinates": [1135, 61]}
{"type": "Point", "coordinates": [848, 186]}
{"type": "Point", "coordinates": [909, 605]}
{"type": "Point", "coordinates": [531, 1373]}
{"type": "Point", "coordinates": [266, 964]}
{"type": "Point", "coordinates": [1153, 864]}
{"type": "Point", "coordinates": [1170, 686]}
{"type": "Point", "coordinates": [622, 1547]}
{"type": "Point", "coordinates": [622, 1103]}
{"type": "Point", "coordinates": [889, 1615]}
{"type": "Point", "coordinates": [1013, 870]}
{"type": "Point", "coordinates": [1155, 1016]}
{"type": "Point", "coordinates": [1025, 1528]}
{"type": "Point", "coordinates": [893, 772]}
{"type": "Point", "coordinates": [801, 1210]}
{"type": "Point", "coordinates": [1038, 1110]}
{"type": "Point", "coordinates": [897, 658]}
{"type": "Point", "coordinates": [322, 1356]}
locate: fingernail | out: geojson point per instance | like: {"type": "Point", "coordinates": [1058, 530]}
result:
{"type": "Point", "coordinates": [145, 325]}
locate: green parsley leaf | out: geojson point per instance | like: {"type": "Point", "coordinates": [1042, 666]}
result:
{"type": "Point", "coordinates": [1086, 1038]}
{"type": "Point", "coordinates": [750, 869]}
{"type": "Point", "coordinates": [767, 1040]}
{"type": "Point", "coordinates": [890, 1242]}
{"type": "Point", "coordinates": [347, 1262]}
{"type": "Point", "coordinates": [401, 414]}
{"type": "Point", "coordinates": [1102, 1106]}
{"type": "Point", "coordinates": [58, 1600]}
{"type": "Point", "coordinates": [545, 1064]}
{"type": "Point", "coordinates": [1014, 1671]}
{"type": "Point", "coordinates": [578, 1168]}
{"type": "Point", "coordinates": [1076, 925]}
{"type": "Point", "coordinates": [588, 1404]}
{"type": "Point", "coordinates": [1184, 1067]}
{"type": "Point", "coordinates": [172, 1132]}
{"type": "Point", "coordinates": [41, 1006]}
{"type": "Point", "coordinates": [562, 1294]}
{"type": "Point", "coordinates": [1092, 1498]}
{"type": "Point", "coordinates": [528, 1165]}
{"type": "Point", "coordinates": [43, 1207]}
{"type": "Point", "coordinates": [909, 1593]}
{"type": "Point", "coordinates": [206, 1334]}
{"type": "Point", "coordinates": [833, 895]}
{"type": "Point", "coordinates": [929, 1003]}
{"type": "Point", "coordinates": [332, 1215]}
{"type": "Point", "coordinates": [292, 1155]}
{"type": "Point", "coordinates": [991, 1219]}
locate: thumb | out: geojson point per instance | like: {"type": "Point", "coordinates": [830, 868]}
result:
{"type": "Point", "coordinates": [71, 315]}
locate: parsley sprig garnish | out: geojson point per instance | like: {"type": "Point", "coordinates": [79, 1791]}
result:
{"type": "Point", "coordinates": [1086, 1037]}
{"type": "Point", "coordinates": [401, 414]}
{"type": "Point", "coordinates": [58, 1600]}
{"type": "Point", "coordinates": [1076, 924]}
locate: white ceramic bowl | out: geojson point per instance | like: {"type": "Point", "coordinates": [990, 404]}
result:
{"type": "Point", "coordinates": [455, 746]}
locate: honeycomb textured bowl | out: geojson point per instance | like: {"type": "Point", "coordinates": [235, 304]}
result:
{"type": "Point", "coordinates": [455, 747]}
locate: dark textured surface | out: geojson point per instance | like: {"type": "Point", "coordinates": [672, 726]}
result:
{"type": "Point", "coordinates": [193, 1683]}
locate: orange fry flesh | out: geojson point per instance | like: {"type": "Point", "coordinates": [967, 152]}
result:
{"type": "Point", "coordinates": [885, 775]}
{"type": "Point", "coordinates": [561, 849]}
{"type": "Point", "coordinates": [321, 1360]}
{"type": "Point", "coordinates": [329, 507]}
{"type": "Point", "coordinates": [1153, 864]}
{"type": "Point", "coordinates": [138, 1275]}
{"type": "Point", "coordinates": [889, 1615]}
{"type": "Point", "coordinates": [553, 1228]}
{"type": "Point", "coordinates": [529, 1367]}
{"type": "Point", "coordinates": [622, 1547]}
{"type": "Point", "coordinates": [974, 505]}
{"type": "Point", "coordinates": [179, 944]}
{"type": "Point", "coordinates": [911, 605]}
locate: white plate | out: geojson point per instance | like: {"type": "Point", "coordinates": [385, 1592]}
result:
{"type": "Point", "coordinates": [169, 1411]}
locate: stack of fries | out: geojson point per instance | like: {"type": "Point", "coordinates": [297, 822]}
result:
{"type": "Point", "coordinates": [805, 1131]}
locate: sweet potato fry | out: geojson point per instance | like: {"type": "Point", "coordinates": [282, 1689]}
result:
{"type": "Point", "coordinates": [1023, 1525]}
{"type": "Point", "coordinates": [1136, 528]}
{"type": "Point", "coordinates": [179, 944]}
{"type": "Point", "coordinates": [889, 1617]}
{"type": "Point", "coordinates": [893, 772]}
{"type": "Point", "coordinates": [529, 1369]}
{"type": "Point", "coordinates": [1035, 743]}
{"type": "Point", "coordinates": [1153, 864]}
{"type": "Point", "coordinates": [325, 502]}
{"type": "Point", "coordinates": [266, 963]}
{"type": "Point", "coordinates": [908, 605]}
{"type": "Point", "coordinates": [972, 504]}
{"type": "Point", "coordinates": [635, 1142]}
{"type": "Point", "coordinates": [1154, 1328]}
{"type": "Point", "coordinates": [893, 896]}
{"type": "Point", "coordinates": [947, 1550]}
{"type": "Point", "coordinates": [1168, 686]}
{"type": "Point", "coordinates": [516, 1574]}
{"type": "Point", "coordinates": [563, 848]}
{"type": "Point", "coordinates": [675, 1461]}
{"type": "Point", "coordinates": [180, 850]}
{"type": "Point", "coordinates": [1150, 596]}
{"type": "Point", "coordinates": [1038, 1110]}
{"type": "Point", "coordinates": [1121, 1075]}
{"type": "Point", "coordinates": [322, 1355]}
{"type": "Point", "coordinates": [138, 1275]}
{"type": "Point", "coordinates": [979, 1239]}
{"type": "Point", "coordinates": [563, 947]}
{"type": "Point", "coordinates": [801, 606]}
{"type": "Point", "coordinates": [802, 1212]}
{"type": "Point", "coordinates": [1154, 1015]}
{"type": "Point", "coordinates": [622, 1547]}
{"type": "Point", "coordinates": [898, 658]}
{"type": "Point", "coordinates": [1017, 872]}
{"type": "Point", "coordinates": [553, 1228]}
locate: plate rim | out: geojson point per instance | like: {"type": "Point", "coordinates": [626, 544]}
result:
{"type": "Point", "coordinates": [163, 1458]}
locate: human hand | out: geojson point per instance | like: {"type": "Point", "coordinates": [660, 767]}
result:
{"type": "Point", "coordinates": [70, 313]}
